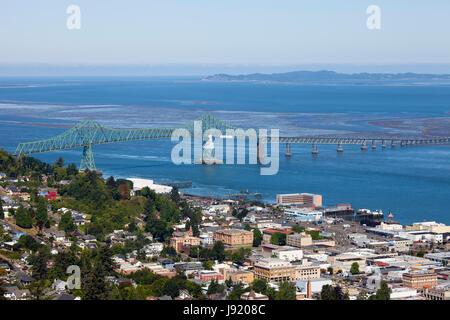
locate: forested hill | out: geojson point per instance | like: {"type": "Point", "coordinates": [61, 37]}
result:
{"type": "Point", "coordinates": [334, 77]}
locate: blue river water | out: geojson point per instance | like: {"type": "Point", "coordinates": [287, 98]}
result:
{"type": "Point", "coordinates": [412, 182]}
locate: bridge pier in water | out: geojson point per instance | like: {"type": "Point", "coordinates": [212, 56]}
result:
{"type": "Point", "coordinates": [392, 144]}
{"type": "Point", "coordinates": [374, 145]}
{"type": "Point", "coordinates": [314, 149]}
{"type": "Point", "coordinates": [288, 150]}
{"type": "Point", "coordinates": [383, 144]}
{"type": "Point", "coordinates": [364, 146]}
{"type": "Point", "coordinates": [340, 148]}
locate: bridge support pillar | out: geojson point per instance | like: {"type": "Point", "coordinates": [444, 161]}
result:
{"type": "Point", "coordinates": [383, 144]}
{"type": "Point", "coordinates": [364, 146]}
{"type": "Point", "coordinates": [314, 149]}
{"type": "Point", "coordinates": [402, 143]}
{"type": "Point", "coordinates": [288, 150]}
{"type": "Point", "coordinates": [87, 159]}
{"type": "Point", "coordinates": [392, 144]}
{"type": "Point", "coordinates": [339, 148]}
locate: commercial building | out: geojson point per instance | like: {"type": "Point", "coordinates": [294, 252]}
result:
{"type": "Point", "coordinates": [441, 292]}
{"type": "Point", "coordinates": [234, 237]}
{"type": "Point", "coordinates": [208, 275]}
{"type": "Point", "coordinates": [312, 200]}
{"type": "Point", "coordinates": [307, 272]}
{"type": "Point", "coordinates": [275, 270]}
{"type": "Point", "coordinates": [179, 242]}
{"type": "Point", "coordinates": [299, 240]}
{"type": "Point", "coordinates": [304, 214]}
{"type": "Point", "coordinates": [238, 275]}
{"type": "Point", "coordinates": [430, 226]}
{"type": "Point", "coordinates": [419, 280]}
{"type": "Point", "coordinates": [316, 284]}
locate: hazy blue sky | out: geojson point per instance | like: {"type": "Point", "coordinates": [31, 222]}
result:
{"type": "Point", "coordinates": [242, 32]}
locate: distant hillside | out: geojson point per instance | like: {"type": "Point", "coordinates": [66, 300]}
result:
{"type": "Point", "coordinates": [334, 77]}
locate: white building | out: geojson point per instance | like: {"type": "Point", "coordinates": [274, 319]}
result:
{"type": "Point", "coordinates": [316, 284]}
{"type": "Point", "coordinates": [138, 184]}
{"type": "Point", "coordinates": [289, 254]}
{"type": "Point", "coordinates": [207, 239]}
{"type": "Point", "coordinates": [304, 214]}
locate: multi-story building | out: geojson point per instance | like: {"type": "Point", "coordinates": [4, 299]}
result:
{"type": "Point", "coordinates": [208, 275]}
{"type": "Point", "coordinates": [179, 242]}
{"type": "Point", "coordinates": [275, 270]}
{"type": "Point", "coordinates": [313, 200]}
{"type": "Point", "coordinates": [307, 272]}
{"type": "Point", "coordinates": [419, 280]}
{"type": "Point", "coordinates": [437, 293]}
{"type": "Point", "coordinates": [234, 237]}
{"type": "Point", "coordinates": [238, 275]}
{"type": "Point", "coordinates": [299, 240]}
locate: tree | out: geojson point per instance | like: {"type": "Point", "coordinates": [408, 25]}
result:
{"type": "Point", "coordinates": [384, 293]}
{"type": "Point", "coordinates": [66, 223]}
{"type": "Point", "coordinates": [72, 169]}
{"type": "Point", "coordinates": [298, 229]}
{"type": "Point", "coordinates": [257, 238]}
{"type": "Point", "coordinates": [37, 289]}
{"type": "Point", "coordinates": [208, 264]}
{"type": "Point", "coordinates": [327, 293]}
{"type": "Point", "coordinates": [39, 268]}
{"type": "Point", "coordinates": [175, 195]}
{"type": "Point", "coordinates": [215, 287]}
{"type": "Point", "coordinates": [339, 294]}
{"type": "Point", "coordinates": [59, 162]}
{"type": "Point", "coordinates": [2, 214]}
{"type": "Point", "coordinates": [218, 251]}
{"type": "Point", "coordinates": [62, 260]}
{"type": "Point", "coordinates": [105, 259]}
{"type": "Point", "coordinates": [41, 213]}
{"type": "Point", "coordinates": [354, 269]}
{"type": "Point", "coordinates": [278, 238]}
{"type": "Point", "coordinates": [149, 207]}
{"type": "Point", "coordinates": [287, 291]}
{"type": "Point", "coordinates": [259, 286]}
{"type": "Point", "coordinates": [330, 270]}
{"type": "Point", "coordinates": [23, 218]}
{"type": "Point", "coordinates": [95, 285]}
{"type": "Point", "coordinates": [238, 290]}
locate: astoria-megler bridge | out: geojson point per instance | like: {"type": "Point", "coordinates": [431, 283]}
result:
{"type": "Point", "coordinates": [88, 133]}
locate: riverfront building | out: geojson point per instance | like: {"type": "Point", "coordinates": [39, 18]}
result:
{"type": "Point", "coordinates": [304, 214]}
{"type": "Point", "coordinates": [312, 200]}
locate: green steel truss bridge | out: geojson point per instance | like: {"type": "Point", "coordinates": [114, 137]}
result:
{"type": "Point", "coordinates": [88, 133]}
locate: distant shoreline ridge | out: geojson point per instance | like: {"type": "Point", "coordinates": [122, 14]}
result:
{"type": "Point", "coordinates": [326, 76]}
